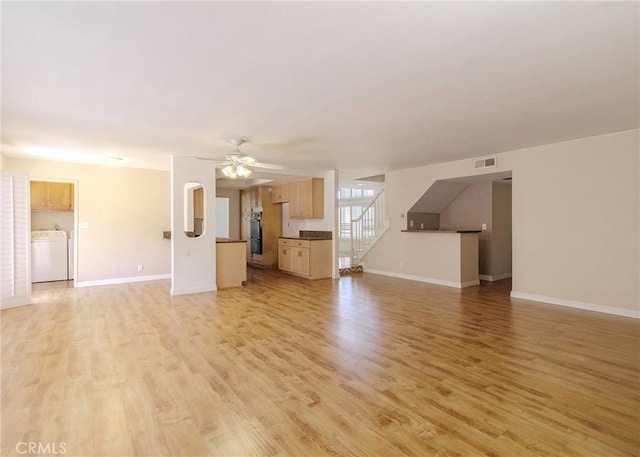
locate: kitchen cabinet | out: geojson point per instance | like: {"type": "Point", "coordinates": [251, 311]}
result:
{"type": "Point", "coordinates": [310, 259]}
{"type": "Point", "coordinates": [260, 198]}
{"type": "Point", "coordinates": [284, 257]}
{"type": "Point", "coordinates": [245, 215]}
{"type": "Point", "coordinates": [51, 196]}
{"type": "Point", "coordinates": [281, 193]}
{"type": "Point", "coordinates": [306, 199]}
{"type": "Point", "coordinates": [198, 203]}
{"type": "Point", "coordinates": [231, 265]}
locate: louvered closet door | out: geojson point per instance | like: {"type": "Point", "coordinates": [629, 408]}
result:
{"type": "Point", "coordinates": [15, 231]}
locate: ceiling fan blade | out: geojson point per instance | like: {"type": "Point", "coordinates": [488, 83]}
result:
{"type": "Point", "coordinates": [247, 160]}
{"type": "Point", "coordinates": [267, 165]}
{"type": "Point", "coordinates": [217, 163]}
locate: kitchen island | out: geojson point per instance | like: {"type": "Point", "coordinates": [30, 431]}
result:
{"type": "Point", "coordinates": [231, 262]}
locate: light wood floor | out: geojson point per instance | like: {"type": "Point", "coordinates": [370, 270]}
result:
{"type": "Point", "coordinates": [366, 366]}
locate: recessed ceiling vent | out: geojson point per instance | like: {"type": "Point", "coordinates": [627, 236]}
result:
{"type": "Point", "coordinates": [487, 162]}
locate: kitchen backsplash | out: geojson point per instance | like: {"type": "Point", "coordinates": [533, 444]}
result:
{"type": "Point", "coordinates": [293, 227]}
{"type": "Point", "coordinates": [315, 234]}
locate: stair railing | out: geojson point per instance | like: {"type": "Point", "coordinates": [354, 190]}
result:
{"type": "Point", "coordinates": [367, 228]}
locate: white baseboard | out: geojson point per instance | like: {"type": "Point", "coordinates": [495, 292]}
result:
{"type": "Point", "coordinates": [13, 302]}
{"type": "Point", "coordinates": [111, 281]}
{"type": "Point", "coordinates": [194, 290]}
{"type": "Point", "coordinates": [494, 277]}
{"type": "Point", "coordinates": [577, 304]}
{"type": "Point", "coordinates": [439, 282]}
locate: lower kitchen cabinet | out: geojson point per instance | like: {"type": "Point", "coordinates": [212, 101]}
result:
{"type": "Point", "coordinates": [307, 258]}
{"type": "Point", "coordinates": [231, 263]}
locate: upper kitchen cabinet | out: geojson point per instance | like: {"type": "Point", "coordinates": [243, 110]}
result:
{"type": "Point", "coordinates": [51, 196]}
{"type": "Point", "coordinates": [281, 193]}
{"type": "Point", "coordinates": [306, 199]}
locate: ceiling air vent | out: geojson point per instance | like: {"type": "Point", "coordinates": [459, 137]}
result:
{"type": "Point", "coordinates": [488, 162]}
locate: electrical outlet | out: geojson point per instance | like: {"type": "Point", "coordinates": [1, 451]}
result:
{"type": "Point", "coordinates": [84, 225]}
{"type": "Point", "coordinates": [140, 267]}
{"type": "Point", "coordinates": [484, 226]}
{"type": "Point", "coordinates": [421, 225]}
{"type": "Point", "coordinates": [188, 253]}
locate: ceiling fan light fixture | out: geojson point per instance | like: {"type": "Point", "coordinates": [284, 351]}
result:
{"type": "Point", "coordinates": [230, 171]}
{"type": "Point", "coordinates": [236, 164]}
{"type": "Point", "coordinates": [234, 171]}
{"type": "Point", "coordinates": [243, 171]}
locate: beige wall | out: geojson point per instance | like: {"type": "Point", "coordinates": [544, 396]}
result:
{"type": "Point", "coordinates": [468, 211]}
{"type": "Point", "coordinates": [501, 229]}
{"type": "Point", "coordinates": [485, 203]}
{"type": "Point", "coordinates": [126, 208]}
{"type": "Point", "coordinates": [575, 220]}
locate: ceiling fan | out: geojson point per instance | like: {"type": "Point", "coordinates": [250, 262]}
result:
{"type": "Point", "coordinates": [237, 164]}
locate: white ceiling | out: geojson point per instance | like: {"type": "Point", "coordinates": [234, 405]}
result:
{"type": "Point", "coordinates": [364, 87]}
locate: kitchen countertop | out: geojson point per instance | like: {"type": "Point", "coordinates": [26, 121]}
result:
{"type": "Point", "coordinates": [227, 240]}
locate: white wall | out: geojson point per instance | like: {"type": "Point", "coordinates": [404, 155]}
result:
{"type": "Point", "coordinates": [126, 209]}
{"type": "Point", "coordinates": [575, 221]}
{"type": "Point", "coordinates": [193, 260]}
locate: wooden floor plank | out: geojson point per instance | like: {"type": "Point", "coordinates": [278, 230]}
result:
{"type": "Point", "coordinates": [364, 366]}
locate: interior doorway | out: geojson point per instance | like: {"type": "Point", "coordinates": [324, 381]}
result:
{"type": "Point", "coordinates": [485, 204]}
{"type": "Point", "coordinates": [53, 221]}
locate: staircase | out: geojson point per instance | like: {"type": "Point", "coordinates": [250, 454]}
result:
{"type": "Point", "coordinates": [362, 231]}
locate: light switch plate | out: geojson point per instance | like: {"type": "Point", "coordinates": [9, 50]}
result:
{"type": "Point", "coordinates": [84, 225]}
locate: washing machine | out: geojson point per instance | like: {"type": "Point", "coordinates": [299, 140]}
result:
{"type": "Point", "coordinates": [48, 255]}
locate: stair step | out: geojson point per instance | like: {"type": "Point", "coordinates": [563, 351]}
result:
{"type": "Point", "coordinates": [351, 270]}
